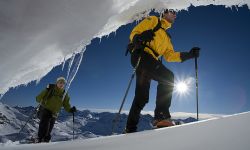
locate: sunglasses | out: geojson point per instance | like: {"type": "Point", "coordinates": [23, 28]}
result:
{"type": "Point", "coordinates": [172, 11]}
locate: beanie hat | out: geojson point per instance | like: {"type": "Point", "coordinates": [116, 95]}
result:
{"type": "Point", "coordinates": [61, 79]}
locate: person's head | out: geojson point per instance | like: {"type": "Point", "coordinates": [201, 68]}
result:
{"type": "Point", "coordinates": [169, 15]}
{"type": "Point", "coordinates": [60, 82]}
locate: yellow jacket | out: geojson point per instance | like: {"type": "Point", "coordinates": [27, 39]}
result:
{"type": "Point", "coordinates": [161, 43]}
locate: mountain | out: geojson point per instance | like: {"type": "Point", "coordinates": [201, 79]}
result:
{"type": "Point", "coordinates": [224, 133]}
{"type": "Point", "coordinates": [88, 124]}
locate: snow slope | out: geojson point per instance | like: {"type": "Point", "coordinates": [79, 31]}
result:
{"type": "Point", "coordinates": [227, 133]}
{"type": "Point", "coordinates": [88, 124]}
{"type": "Point", "coordinates": [10, 120]}
{"type": "Point", "coordinates": [37, 35]}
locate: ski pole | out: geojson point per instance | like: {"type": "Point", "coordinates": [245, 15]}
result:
{"type": "Point", "coordinates": [115, 120]}
{"type": "Point", "coordinates": [197, 100]}
{"type": "Point", "coordinates": [30, 117]}
{"type": "Point", "coordinates": [73, 126]}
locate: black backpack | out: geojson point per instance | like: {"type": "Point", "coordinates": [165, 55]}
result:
{"type": "Point", "coordinates": [131, 45]}
{"type": "Point", "coordinates": [50, 88]}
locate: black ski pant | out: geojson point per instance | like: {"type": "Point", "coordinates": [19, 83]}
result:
{"type": "Point", "coordinates": [150, 69]}
{"type": "Point", "coordinates": [46, 125]}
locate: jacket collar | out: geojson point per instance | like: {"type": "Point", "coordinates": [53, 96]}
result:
{"type": "Point", "coordinates": [59, 90]}
{"type": "Point", "coordinates": [165, 24]}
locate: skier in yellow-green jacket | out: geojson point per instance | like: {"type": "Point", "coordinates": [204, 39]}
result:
{"type": "Point", "coordinates": [51, 101]}
{"type": "Point", "coordinates": [149, 41]}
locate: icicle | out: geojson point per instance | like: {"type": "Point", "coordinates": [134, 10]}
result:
{"type": "Point", "coordinates": [74, 71]}
{"type": "Point", "coordinates": [38, 81]}
{"type": "Point", "coordinates": [236, 7]}
{"type": "Point", "coordinates": [70, 65]}
{"type": "Point", "coordinates": [100, 40]}
{"type": "Point", "coordinates": [64, 61]}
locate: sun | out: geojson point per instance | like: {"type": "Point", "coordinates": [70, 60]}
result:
{"type": "Point", "coordinates": [181, 87]}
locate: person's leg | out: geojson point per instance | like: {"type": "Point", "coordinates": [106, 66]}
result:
{"type": "Point", "coordinates": [140, 99]}
{"type": "Point", "coordinates": [152, 69]}
{"type": "Point", "coordinates": [43, 125]}
{"type": "Point", "coordinates": [165, 79]}
{"type": "Point", "coordinates": [51, 126]}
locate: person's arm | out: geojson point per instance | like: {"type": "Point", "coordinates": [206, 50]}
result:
{"type": "Point", "coordinates": [194, 52]}
{"type": "Point", "coordinates": [170, 55]}
{"type": "Point", "coordinates": [41, 96]}
{"type": "Point", "coordinates": [66, 103]}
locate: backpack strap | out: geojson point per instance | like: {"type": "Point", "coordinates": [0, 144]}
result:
{"type": "Point", "coordinates": [50, 88]}
{"type": "Point", "coordinates": [130, 46]}
{"type": "Point", "coordinates": [158, 26]}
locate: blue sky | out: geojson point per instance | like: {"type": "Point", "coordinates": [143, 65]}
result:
{"type": "Point", "coordinates": [224, 87]}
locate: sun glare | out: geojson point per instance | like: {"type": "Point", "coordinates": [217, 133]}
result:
{"type": "Point", "coordinates": [181, 87]}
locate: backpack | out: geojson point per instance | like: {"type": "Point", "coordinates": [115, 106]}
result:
{"type": "Point", "coordinates": [131, 45]}
{"type": "Point", "coordinates": [50, 88]}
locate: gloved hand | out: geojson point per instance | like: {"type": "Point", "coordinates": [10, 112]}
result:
{"type": "Point", "coordinates": [194, 52]}
{"type": "Point", "coordinates": [73, 109]}
{"type": "Point", "coordinates": [145, 36]}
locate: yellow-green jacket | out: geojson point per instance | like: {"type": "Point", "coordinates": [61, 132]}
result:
{"type": "Point", "coordinates": [161, 43]}
{"type": "Point", "coordinates": [54, 101]}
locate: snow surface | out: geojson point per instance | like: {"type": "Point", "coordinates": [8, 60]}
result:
{"type": "Point", "coordinates": [227, 133]}
{"type": "Point", "coordinates": [8, 119]}
{"type": "Point", "coordinates": [37, 35]}
{"type": "Point", "coordinates": [174, 115]}
{"type": "Point", "coordinates": [88, 124]}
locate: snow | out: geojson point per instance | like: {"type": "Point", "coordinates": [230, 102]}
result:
{"type": "Point", "coordinates": [9, 115]}
{"type": "Point", "coordinates": [88, 124]}
{"type": "Point", "coordinates": [226, 133]}
{"type": "Point", "coordinates": [37, 35]}
{"type": "Point", "coordinates": [175, 115]}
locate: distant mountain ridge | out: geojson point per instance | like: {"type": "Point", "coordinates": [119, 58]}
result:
{"type": "Point", "coordinates": [88, 124]}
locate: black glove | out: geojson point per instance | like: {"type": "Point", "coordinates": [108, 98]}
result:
{"type": "Point", "coordinates": [73, 109]}
{"type": "Point", "coordinates": [194, 52]}
{"type": "Point", "coordinates": [145, 36]}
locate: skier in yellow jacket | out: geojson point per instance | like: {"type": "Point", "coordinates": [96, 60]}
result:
{"type": "Point", "coordinates": [150, 41]}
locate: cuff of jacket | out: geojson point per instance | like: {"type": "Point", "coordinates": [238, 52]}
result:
{"type": "Point", "coordinates": [185, 56]}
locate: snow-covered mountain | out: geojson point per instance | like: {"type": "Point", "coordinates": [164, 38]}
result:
{"type": "Point", "coordinates": [87, 124]}
{"type": "Point", "coordinates": [225, 133]}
